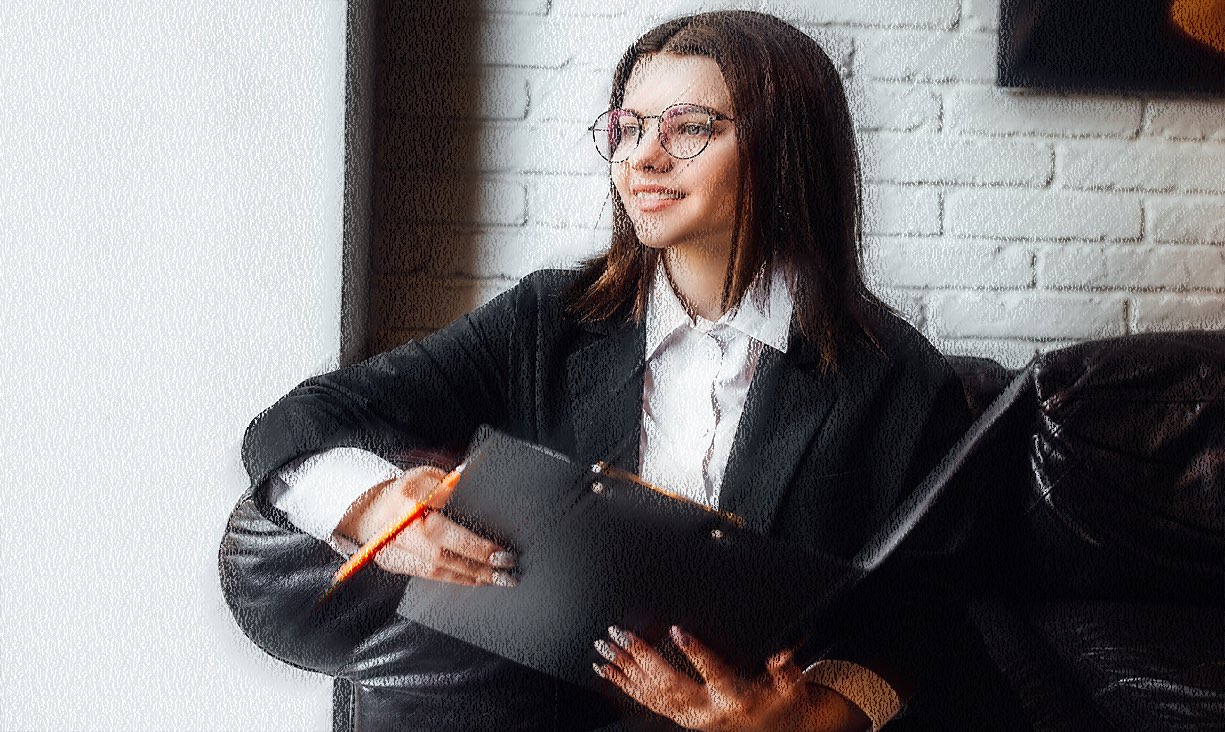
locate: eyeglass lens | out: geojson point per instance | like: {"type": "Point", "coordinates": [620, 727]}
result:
{"type": "Point", "coordinates": [683, 131]}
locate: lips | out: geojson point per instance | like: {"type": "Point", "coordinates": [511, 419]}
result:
{"type": "Point", "coordinates": [654, 198]}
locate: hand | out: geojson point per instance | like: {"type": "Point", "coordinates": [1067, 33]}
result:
{"type": "Point", "coordinates": [779, 699]}
{"type": "Point", "coordinates": [434, 547]}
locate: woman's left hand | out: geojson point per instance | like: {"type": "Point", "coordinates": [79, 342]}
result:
{"type": "Point", "coordinates": [724, 700]}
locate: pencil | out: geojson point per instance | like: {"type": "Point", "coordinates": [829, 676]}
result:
{"type": "Point", "coordinates": [366, 553]}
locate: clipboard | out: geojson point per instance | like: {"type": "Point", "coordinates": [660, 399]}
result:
{"type": "Point", "coordinates": [597, 546]}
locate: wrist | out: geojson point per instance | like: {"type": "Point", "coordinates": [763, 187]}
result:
{"type": "Point", "coordinates": [359, 521]}
{"type": "Point", "coordinates": [832, 710]}
{"type": "Point", "coordinates": [861, 687]}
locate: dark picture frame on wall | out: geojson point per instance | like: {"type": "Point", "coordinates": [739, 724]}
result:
{"type": "Point", "coordinates": [1175, 46]}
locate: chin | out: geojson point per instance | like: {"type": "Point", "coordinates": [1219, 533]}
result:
{"type": "Point", "coordinates": [656, 235]}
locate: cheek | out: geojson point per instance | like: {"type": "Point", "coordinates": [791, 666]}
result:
{"type": "Point", "coordinates": [728, 183]}
{"type": "Point", "coordinates": [620, 179]}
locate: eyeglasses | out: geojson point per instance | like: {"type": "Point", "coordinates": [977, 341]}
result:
{"type": "Point", "coordinates": [684, 131]}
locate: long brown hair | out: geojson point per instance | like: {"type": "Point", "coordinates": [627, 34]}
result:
{"type": "Point", "coordinates": [799, 197]}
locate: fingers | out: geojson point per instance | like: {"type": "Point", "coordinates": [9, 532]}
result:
{"type": "Point", "coordinates": [643, 667]}
{"type": "Point", "coordinates": [394, 559]}
{"type": "Point", "coordinates": [440, 548]}
{"type": "Point", "coordinates": [430, 543]}
{"type": "Point", "coordinates": [639, 671]}
{"type": "Point", "coordinates": [782, 668]}
{"type": "Point", "coordinates": [451, 536]}
{"type": "Point", "coordinates": [711, 668]}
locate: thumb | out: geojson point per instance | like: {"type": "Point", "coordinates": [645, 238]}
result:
{"type": "Point", "coordinates": [419, 483]}
{"type": "Point", "coordinates": [780, 666]}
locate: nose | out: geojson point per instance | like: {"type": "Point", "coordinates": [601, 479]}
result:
{"type": "Point", "coordinates": [650, 153]}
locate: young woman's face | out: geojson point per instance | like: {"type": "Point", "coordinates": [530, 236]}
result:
{"type": "Point", "coordinates": [672, 202]}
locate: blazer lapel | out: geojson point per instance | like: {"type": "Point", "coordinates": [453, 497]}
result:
{"type": "Point", "coordinates": [604, 378]}
{"type": "Point", "coordinates": [787, 404]}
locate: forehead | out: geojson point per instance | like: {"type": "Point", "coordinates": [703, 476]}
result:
{"type": "Point", "coordinates": [659, 80]}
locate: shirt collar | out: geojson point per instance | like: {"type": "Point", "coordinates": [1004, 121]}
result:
{"type": "Point", "coordinates": [763, 314]}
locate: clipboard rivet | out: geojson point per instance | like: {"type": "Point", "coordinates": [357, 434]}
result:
{"type": "Point", "coordinates": [716, 534]}
{"type": "Point", "coordinates": [597, 487]}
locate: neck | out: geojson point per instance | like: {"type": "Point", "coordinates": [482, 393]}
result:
{"type": "Point", "coordinates": [697, 278]}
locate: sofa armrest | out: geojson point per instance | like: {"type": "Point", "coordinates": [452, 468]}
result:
{"type": "Point", "coordinates": [273, 576]}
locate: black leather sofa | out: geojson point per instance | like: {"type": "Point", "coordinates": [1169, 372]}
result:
{"type": "Point", "coordinates": [1097, 586]}
{"type": "Point", "coordinates": [1102, 597]}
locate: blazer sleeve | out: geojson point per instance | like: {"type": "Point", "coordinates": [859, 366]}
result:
{"type": "Point", "coordinates": [421, 397]}
{"type": "Point", "coordinates": [907, 621]}
{"type": "Point", "coordinates": [424, 395]}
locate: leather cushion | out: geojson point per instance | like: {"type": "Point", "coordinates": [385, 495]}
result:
{"type": "Point", "coordinates": [1127, 468]}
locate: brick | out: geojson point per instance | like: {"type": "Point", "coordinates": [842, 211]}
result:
{"type": "Point", "coordinates": [927, 56]}
{"type": "Point", "coordinates": [570, 201]}
{"type": "Point", "coordinates": [404, 247]}
{"type": "Point", "coordinates": [901, 210]}
{"type": "Point", "coordinates": [457, 147]}
{"type": "Point", "coordinates": [840, 47]}
{"type": "Point", "coordinates": [526, 7]}
{"type": "Point", "coordinates": [508, 253]}
{"type": "Point", "coordinates": [996, 112]}
{"type": "Point", "coordinates": [911, 158]}
{"type": "Point", "coordinates": [1168, 267]}
{"type": "Point", "coordinates": [406, 200]}
{"type": "Point", "coordinates": [598, 42]}
{"type": "Point", "coordinates": [944, 263]}
{"type": "Point", "coordinates": [1027, 315]}
{"type": "Point", "coordinates": [980, 15]}
{"type": "Point", "coordinates": [939, 14]}
{"type": "Point", "coordinates": [1187, 220]}
{"type": "Point", "coordinates": [428, 303]}
{"type": "Point", "coordinates": [492, 94]}
{"type": "Point", "coordinates": [887, 106]}
{"type": "Point", "coordinates": [571, 95]}
{"type": "Point", "coordinates": [1182, 119]}
{"type": "Point", "coordinates": [1042, 214]}
{"type": "Point", "coordinates": [641, 8]}
{"type": "Point", "coordinates": [1177, 312]}
{"type": "Point", "coordinates": [497, 148]}
{"type": "Point", "coordinates": [522, 40]}
{"type": "Point", "coordinates": [1142, 165]}
{"type": "Point", "coordinates": [1011, 354]}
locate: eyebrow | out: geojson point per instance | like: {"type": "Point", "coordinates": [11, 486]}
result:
{"type": "Point", "coordinates": [676, 104]}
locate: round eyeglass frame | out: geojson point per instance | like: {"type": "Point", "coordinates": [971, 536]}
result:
{"type": "Point", "coordinates": [712, 116]}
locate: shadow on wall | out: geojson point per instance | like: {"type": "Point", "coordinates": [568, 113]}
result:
{"type": "Point", "coordinates": [425, 186]}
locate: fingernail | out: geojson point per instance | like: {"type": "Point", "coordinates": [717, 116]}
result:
{"type": "Point", "coordinates": [678, 635]}
{"type": "Point", "coordinates": [502, 579]}
{"type": "Point", "coordinates": [605, 650]}
{"type": "Point", "coordinates": [619, 636]}
{"type": "Point", "coordinates": [599, 670]}
{"type": "Point", "coordinates": [502, 559]}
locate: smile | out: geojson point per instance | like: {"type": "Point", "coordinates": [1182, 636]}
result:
{"type": "Point", "coordinates": [656, 200]}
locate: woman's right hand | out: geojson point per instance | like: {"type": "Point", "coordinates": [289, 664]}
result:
{"type": "Point", "coordinates": [434, 547]}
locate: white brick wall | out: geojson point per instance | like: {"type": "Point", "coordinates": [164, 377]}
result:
{"type": "Point", "coordinates": [999, 222]}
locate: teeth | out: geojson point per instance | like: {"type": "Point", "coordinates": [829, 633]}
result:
{"type": "Point", "coordinates": [658, 196]}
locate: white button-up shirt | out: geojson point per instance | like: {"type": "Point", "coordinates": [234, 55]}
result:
{"type": "Point", "coordinates": [698, 374]}
{"type": "Point", "coordinates": [697, 377]}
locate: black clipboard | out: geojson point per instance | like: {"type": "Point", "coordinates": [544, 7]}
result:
{"type": "Point", "coordinates": [596, 546]}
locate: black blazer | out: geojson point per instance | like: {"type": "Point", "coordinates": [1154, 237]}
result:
{"type": "Point", "coordinates": [820, 457]}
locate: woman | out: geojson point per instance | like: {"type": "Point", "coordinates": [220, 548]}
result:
{"type": "Point", "coordinates": [725, 346]}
